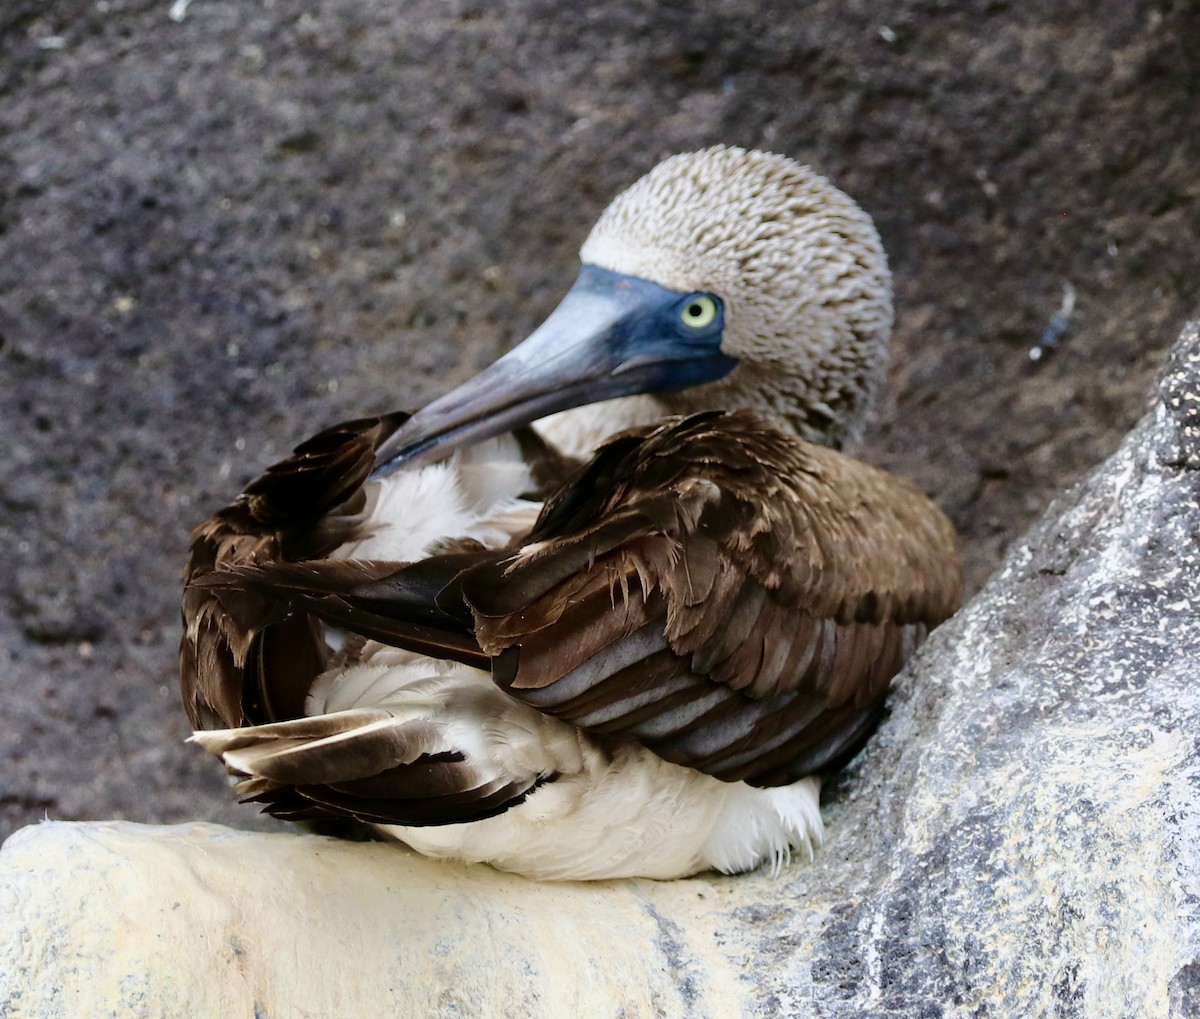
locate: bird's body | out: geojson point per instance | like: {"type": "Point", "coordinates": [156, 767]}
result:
{"type": "Point", "coordinates": [647, 675]}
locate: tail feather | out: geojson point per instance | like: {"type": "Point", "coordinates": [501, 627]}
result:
{"type": "Point", "coordinates": [429, 811]}
{"type": "Point", "coordinates": [372, 743]}
{"type": "Point", "coordinates": [381, 766]}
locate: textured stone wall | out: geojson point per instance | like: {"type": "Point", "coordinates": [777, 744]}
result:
{"type": "Point", "coordinates": [226, 224]}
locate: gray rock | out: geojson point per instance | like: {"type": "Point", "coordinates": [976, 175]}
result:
{"type": "Point", "coordinates": [1020, 839]}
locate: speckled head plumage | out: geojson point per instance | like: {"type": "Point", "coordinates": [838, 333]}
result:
{"type": "Point", "coordinates": [799, 266]}
{"type": "Point", "coordinates": [800, 335]}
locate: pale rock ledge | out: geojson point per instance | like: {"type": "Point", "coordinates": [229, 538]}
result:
{"type": "Point", "coordinates": [1021, 838]}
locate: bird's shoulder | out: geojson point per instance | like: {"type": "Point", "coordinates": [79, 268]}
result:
{"type": "Point", "coordinates": [730, 493]}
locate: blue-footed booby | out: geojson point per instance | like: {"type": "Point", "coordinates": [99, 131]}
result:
{"type": "Point", "coordinates": [474, 633]}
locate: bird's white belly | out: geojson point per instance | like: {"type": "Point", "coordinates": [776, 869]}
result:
{"type": "Point", "coordinates": [638, 817]}
{"type": "Point", "coordinates": [602, 811]}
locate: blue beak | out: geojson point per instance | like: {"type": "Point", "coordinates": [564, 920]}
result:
{"type": "Point", "coordinates": [611, 336]}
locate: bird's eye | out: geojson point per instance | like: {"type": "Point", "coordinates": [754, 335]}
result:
{"type": "Point", "coordinates": [698, 311]}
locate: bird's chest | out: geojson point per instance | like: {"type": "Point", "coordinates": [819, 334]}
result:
{"type": "Point", "coordinates": [475, 495]}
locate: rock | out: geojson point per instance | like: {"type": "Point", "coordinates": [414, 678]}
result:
{"type": "Point", "coordinates": [200, 920]}
{"type": "Point", "coordinates": [1019, 839]}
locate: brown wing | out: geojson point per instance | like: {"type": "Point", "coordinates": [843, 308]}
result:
{"type": "Point", "coordinates": [250, 651]}
{"type": "Point", "coordinates": [734, 599]}
{"type": "Point", "coordinates": [299, 509]}
{"type": "Point", "coordinates": [244, 658]}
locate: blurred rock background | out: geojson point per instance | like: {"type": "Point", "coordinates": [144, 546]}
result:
{"type": "Point", "coordinates": [225, 225]}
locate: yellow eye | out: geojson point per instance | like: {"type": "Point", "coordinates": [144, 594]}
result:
{"type": "Point", "coordinates": [699, 311]}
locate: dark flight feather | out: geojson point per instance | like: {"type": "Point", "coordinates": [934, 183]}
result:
{"type": "Point", "coordinates": [231, 666]}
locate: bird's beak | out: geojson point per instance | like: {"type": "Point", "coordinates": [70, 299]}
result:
{"type": "Point", "coordinates": [611, 336]}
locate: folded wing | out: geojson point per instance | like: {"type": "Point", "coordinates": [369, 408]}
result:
{"type": "Point", "coordinates": [731, 598]}
{"type": "Point", "coordinates": [735, 600]}
{"type": "Point", "coordinates": [230, 664]}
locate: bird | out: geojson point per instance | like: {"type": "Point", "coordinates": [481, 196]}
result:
{"type": "Point", "coordinates": [616, 606]}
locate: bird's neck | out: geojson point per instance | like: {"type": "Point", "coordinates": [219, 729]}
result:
{"type": "Point", "coordinates": [830, 411]}
{"type": "Point", "coordinates": [579, 431]}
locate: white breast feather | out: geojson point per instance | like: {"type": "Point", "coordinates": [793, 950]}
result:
{"type": "Point", "coordinates": [474, 494]}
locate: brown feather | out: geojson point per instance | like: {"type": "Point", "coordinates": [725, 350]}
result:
{"type": "Point", "coordinates": [734, 599]}
{"type": "Point", "coordinates": [301, 508]}
{"type": "Point", "coordinates": [785, 573]}
{"type": "Point", "coordinates": [366, 765]}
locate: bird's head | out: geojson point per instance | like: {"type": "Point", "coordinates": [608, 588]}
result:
{"type": "Point", "coordinates": [723, 278]}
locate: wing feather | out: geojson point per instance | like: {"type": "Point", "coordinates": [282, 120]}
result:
{"type": "Point", "coordinates": [787, 581]}
{"type": "Point", "coordinates": [301, 508]}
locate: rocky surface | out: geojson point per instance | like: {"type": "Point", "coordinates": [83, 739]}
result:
{"type": "Point", "coordinates": [1028, 841]}
{"type": "Point", "coordinates": [1020, 839]}
{"type": "Point", "coordinates": [223, 225]}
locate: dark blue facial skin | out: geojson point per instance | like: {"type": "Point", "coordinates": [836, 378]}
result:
{"type": "Point", "coordinates": [653, 334]}
{"type": "Point", "coordinates": [612, 335]}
